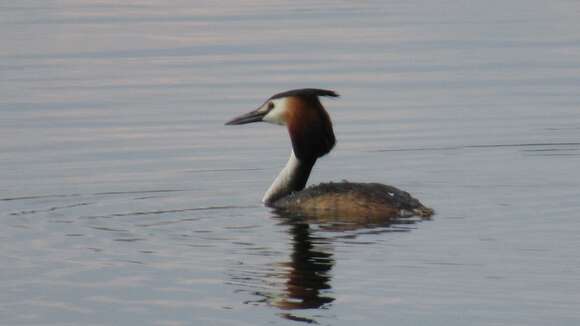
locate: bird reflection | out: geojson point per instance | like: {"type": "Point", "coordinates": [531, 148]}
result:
{"type": "Point", "coordinates": [304, 280]}
{"type": "Point", "coordinates": [307, 274]}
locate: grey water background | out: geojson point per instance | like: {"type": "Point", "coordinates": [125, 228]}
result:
{"type": "Point", "coordinates": [125, 201]}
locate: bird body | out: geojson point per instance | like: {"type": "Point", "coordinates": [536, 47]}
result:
{"type": "Point", "coordinates": [310, 130]}
{"type": "Point", "coordinates": [346, 199]}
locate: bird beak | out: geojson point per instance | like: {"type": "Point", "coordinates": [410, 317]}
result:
{"type": "Point", "coordinates": [249, 117]}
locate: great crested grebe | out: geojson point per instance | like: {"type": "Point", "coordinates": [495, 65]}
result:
{"type": "Point", "coordinates": [310, 131]}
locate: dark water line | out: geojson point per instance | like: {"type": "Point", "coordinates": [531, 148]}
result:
{"type": "Point", "coordinates": [447, 148]}
{"type": "Point", "coordinates": [222, 170]}
{"type": "Point", "coordinates": [93, 194]}
{"type": "Point", "coordinates": [169, 211]}
{"type": "Point", "coordinates": [52, 209]}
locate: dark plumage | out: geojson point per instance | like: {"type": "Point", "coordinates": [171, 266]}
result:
{"type": "Point", "coordinates": [309, 127]}
{"type": "Point", "coordinates": [305, 92]}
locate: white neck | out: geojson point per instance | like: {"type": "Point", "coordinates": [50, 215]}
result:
{"type": "Point", "coordinates": [292, 178]}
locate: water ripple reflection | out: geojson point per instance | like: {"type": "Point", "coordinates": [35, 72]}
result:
{"type": "Point", "coordinates": [303, 280]}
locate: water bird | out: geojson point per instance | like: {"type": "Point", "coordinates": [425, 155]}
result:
{"type": "Point", "coordinates": [312, 136]}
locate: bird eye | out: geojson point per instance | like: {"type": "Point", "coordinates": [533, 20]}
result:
{"type": "Point", "coordinates": [270, 106]}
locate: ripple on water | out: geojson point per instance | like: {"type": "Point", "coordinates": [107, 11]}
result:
{"type": "Point", "coordinates": [126, 201]}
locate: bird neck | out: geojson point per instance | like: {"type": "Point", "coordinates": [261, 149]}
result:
{"type": "Point", "coordinates": [292, 178]}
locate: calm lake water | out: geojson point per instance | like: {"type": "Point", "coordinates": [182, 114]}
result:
{"type": "Point", "coordinates": [126, 201]}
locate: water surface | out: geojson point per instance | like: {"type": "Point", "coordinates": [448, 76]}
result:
{"type": "Point", "coordinates": [126, 201]}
